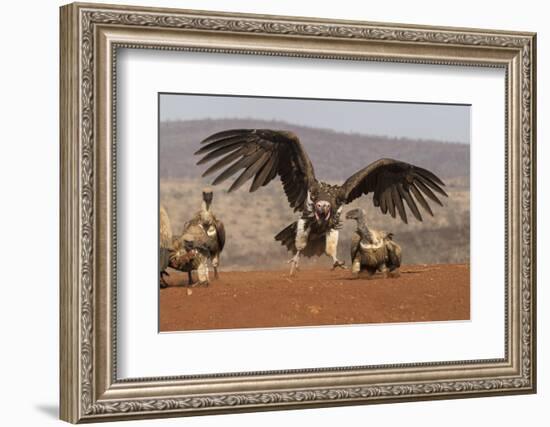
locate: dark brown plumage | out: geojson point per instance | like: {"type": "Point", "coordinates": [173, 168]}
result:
{"type": "Point", "coordinates": [262, 154]}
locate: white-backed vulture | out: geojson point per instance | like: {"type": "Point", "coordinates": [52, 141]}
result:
{"type": "Point", "coordinates": [208, 230]}
{"type": "Point", "coordinates": [183, 253]}
{"type": "Point", "coordinates": [372, 250]}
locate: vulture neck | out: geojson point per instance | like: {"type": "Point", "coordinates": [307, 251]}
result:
{"type": "Point", "coordinates": [205, 206]}
{"type": "Point", "coordinates": [364, 230]}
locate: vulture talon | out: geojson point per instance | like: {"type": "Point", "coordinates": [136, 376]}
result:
{"type": "Point", "coordinates": [294, 265]}
{"type": "Point", "coordinates": [338, 264]}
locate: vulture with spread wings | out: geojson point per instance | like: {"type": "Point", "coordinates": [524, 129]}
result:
{"type": "Point", "coordinates": [263, 154]}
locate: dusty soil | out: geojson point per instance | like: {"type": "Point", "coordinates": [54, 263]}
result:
{"type": "Point", "coordinates": [258, 299]}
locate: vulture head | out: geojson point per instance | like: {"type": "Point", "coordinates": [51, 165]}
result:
{"type": "Point", "coordinates": [356, 214]}
{"type": "Point", "coordinates": [189, 243]}
{"type": "Point", "coordinates": [359, 215]}
{"type": "Point", "coordinates": [207, 195]}
{"type": "Point", "coordinates": [322, 211]}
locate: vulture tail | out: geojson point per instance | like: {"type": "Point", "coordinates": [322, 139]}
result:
{"type": "Point", "coordinates": [315, 245]}
{"type": "Point", "coordinates": [287, 237]}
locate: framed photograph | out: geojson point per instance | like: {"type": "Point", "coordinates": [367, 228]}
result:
{"type": "Point", "coordinates": [266, 212]}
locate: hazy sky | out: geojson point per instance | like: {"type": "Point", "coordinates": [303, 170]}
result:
{"type": "Point", "coordinates": [444, 122]}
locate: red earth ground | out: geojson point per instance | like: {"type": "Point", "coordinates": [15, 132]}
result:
{"type": "Point", "coordinates": [258, 299]}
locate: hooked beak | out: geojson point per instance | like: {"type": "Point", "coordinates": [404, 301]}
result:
{"type": "Point", "coordinates": [322, 211]}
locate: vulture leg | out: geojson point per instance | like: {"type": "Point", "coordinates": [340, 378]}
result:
{"type": "Point", "coordinates": [294, 263]}
{"type": "Point", "coordinates": [371, 271]}
{"type": "Point", "coordinates": [356, 267]}
{"type": "Point", "coordinates": [331, 248]}
{"type": "Point", "coordinates": [302, 235]}
{"type": "Point", "coordinates": [215, 265]}
{"type": "Point", "coordinates": [202, 272]}
{"type": "Point", "coordinates": [189, 278]}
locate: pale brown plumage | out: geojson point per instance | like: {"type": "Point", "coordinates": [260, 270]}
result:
{"type": "Point", "coordinates": [165, 229]}
{"type": "Point", "coordinates": [177, 253]}
{"type": "Point", "coordinates": [165, 242]}
{"type": "Point", "coordinates": [208, 230]}
{"type": "Point", "coordinates": [372, 250]}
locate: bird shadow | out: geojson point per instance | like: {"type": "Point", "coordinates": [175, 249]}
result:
{"type": "Point", "coordinates": [48, 409]}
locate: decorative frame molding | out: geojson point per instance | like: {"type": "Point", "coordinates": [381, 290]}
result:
{"type": "Point", "coordinates": [90, 36]}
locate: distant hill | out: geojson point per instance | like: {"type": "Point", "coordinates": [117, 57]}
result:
{"type": "Point", "coordinates": [335, 155]}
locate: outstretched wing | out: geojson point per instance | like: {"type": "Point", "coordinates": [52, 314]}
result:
{"type": "Point", "coordinates": [263, 154]}
{"type": "Point", "coordinates": [393, 181]}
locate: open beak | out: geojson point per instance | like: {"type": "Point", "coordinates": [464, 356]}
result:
{"type": "Point", "coordinates": [322, 213]}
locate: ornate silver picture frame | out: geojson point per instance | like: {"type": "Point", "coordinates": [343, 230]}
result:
{"type": "Point", "coordinates": [91, 37]}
